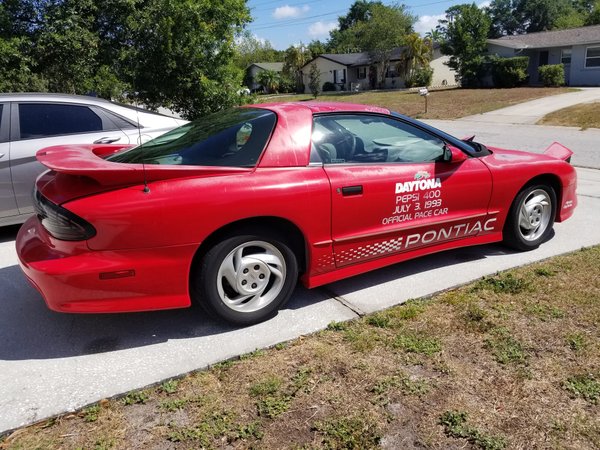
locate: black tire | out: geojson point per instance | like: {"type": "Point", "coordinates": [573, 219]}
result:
{"type": "Point", "coordinates": [259, 260]}
{"type": "Point", "coordinates": [527, 232]}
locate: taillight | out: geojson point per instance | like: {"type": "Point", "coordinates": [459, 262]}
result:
{"type": "Point", "coordinates": [60, 222]}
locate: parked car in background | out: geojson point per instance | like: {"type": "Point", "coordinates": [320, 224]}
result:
{"type": "Point", "coordinates": [30, 122]}
{"type": "Point", "coordinates": [229, 210]}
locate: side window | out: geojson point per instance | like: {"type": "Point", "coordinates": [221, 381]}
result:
{"type": "Point", "coordinates": [39, 120]}
{"type": "Point", "coordinates": [358, 138]}
{"type": "Point", "coordinates": [118, 121]}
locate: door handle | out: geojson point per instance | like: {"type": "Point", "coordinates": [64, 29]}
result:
{"type": "Point", "coordinates": [352, 190]}
{"type": "Point", "coordinates": [1, 155]}
{"type": "Point", "coordinates": [107, 140]}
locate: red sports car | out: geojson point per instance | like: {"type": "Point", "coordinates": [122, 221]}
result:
{"type": "Point", "coordinates": [230, 210]}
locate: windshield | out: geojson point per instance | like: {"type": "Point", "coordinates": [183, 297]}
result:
{"type": "Point", "coordinates": [231, 138]}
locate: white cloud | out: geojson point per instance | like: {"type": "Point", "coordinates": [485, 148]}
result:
{"type": "Point", "coordinates": [484, 4]}
{"type": "Point", "coordinates": [427, 23]}
{"type": "Point", "coordinates": [289, 12]}
{"type": "Point", "coordinates": [321, 29]}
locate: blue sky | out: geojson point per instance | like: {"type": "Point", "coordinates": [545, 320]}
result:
{"type": "Point", "coordinates": [287, 22]}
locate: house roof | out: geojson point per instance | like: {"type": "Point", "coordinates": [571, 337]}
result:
{"type": "Point", "coordinates": [546, 39]}
{"type": "Point", "coordinates": [356, 59]}
{"type": "Point", "coordinates": [276, 66]}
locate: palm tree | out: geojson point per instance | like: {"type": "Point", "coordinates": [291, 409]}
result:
{"type": "Point", "coordinates": [434, 35]}
{"type": "Point", "coordinates": [417, 53]}
{"type": "Point", "coordinates": [269, 79]}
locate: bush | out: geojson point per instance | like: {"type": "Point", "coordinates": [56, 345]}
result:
{"type": "Point", "coordinates": [328, 86]}
{"type": "Point", "coordinates": [420, 77]}
{"type": "Point", "coordinates": [552, 75]}
{"type": "Point", "coordinates": [509, 72]}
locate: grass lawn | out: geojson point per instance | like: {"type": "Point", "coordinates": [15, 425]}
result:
{"type": "Point", "coordinates": [447, 104]}
{"type": "Point", "coordinates": [586, 115]}
{"type": "Point", "coordinates": [510, 361]}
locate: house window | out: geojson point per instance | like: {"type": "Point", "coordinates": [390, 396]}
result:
{"type": "Point", "coordinates": [592, 57]}
{"type": "Point", "coordinates": [565, 56]}
{"type": "Point", "coordinates": [339, 76]}
{"type": "Point", "coordinates": [362, 73]}
{"type": "Point", "coordinates": [391, 72]}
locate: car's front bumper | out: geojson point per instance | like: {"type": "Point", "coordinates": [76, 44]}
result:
{"type": "Point", "coordinates": [72, 278]}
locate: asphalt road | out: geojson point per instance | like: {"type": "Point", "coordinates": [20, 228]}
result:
{"type": "Point", "coordinates": [51, 363]}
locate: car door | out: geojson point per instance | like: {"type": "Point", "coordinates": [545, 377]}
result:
{"type": "Point", "coordinates": [8, 204]}
{"type": "Point", "coordinates": [36, 125]}
{"type": "Point", "coordinates": [392, 191]}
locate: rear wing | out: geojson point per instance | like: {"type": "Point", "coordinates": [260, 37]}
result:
{"type": "Point", "coordinates": [559, 151]}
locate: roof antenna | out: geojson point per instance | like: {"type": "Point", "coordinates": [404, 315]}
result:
{"type": "Point", "coordinates": [146, 189]}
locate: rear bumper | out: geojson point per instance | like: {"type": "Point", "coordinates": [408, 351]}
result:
{"type": "Point", "coordinates": [75, 279]}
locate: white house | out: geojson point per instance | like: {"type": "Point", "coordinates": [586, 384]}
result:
{"type": "Point", "coordinates": [357, 71]}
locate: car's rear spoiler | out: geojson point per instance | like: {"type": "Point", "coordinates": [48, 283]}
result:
{"type": "Point", "coordinates": [82, 160]}
{"type": "Point", "coordinates": [559, 151]}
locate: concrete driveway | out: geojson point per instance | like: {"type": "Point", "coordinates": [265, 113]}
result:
{"type": "Point", "coordinates": [51, 363]}
{"type": "Point", "coordinates": [532, 111]}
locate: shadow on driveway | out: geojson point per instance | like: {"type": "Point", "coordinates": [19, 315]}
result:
{"type": "Point", "coordinates": [29, 330]}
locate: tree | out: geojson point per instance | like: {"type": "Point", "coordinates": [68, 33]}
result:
{"type": "Point", "coordinates": [249, 49]}
{"type": "Point", "coordinates": [594, 15]}
{"type": "Point", "coordinates": [316, 48]}
{"type": "Point", "coordinates": [294, 60]}
{"type": "Point", "coordinates": [434, 35]}
{"type": "Point", "coordinates": [465, 29]}
{"type": "Point", "coordinates": [66, 47]}
{"type": "Point", "coordinates": [269, 79]}
{"type": "Point", "coordinates": [385, 30]}
{"type": "Point", "coordinates": [314, 82]}
{"type": "Point", "coordinates": [417, 53]}
{"type": "Point", "coordinates": [344, 39]}
{"type": "Point", "coordinates": [360, 11]}
{"type": "Point", "coordinates": [182, 54]}
{"type": "Point", "coordinates": [15, 71]}
{"type": "Point", "coordinates": [543, 15]}
{"type": "Point", "coordinates": [506, 18]}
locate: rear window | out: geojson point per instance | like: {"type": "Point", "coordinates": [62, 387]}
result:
{"type": "Point", "coordinates": [232, 138]}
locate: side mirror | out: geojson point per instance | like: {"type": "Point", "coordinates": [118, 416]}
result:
{"type": "Point", "coordinates": [453, 155]}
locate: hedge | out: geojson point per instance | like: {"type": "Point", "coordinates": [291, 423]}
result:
{"type": "Point", "coordinates": [509, 72]}
{"type": "Point", "coordinates": [552, 75]}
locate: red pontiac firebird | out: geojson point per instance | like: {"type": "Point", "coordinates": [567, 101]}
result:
{"type": "Point", "coordinates": [228, 211]}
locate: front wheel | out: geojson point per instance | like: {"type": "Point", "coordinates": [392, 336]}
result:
{"type": "Point", "coordinates": [531, 217]}
{"type": "Point", "coordinates": [246, 279]}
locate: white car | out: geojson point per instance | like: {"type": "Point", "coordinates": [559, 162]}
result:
{"type": "Point", "coordinates": [30, 122]}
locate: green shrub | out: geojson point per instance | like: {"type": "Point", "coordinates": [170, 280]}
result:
{"type": "Point", "coordinates": [420, 77]}
{"type": "Point", "coordinates": [328, 86]}
{"type": "Point", "coordinates": [552, 75]}
{"type": "Point", "coordinates": [509, 72]}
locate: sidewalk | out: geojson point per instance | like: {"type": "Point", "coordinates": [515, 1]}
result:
{"type": "Point", "coordinates": [532, 111]}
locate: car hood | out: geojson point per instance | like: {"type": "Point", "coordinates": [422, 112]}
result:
{"type": "Point", "coordinates": [79, 170]}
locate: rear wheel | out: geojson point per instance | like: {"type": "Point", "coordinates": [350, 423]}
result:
{"type": "Point", "coordinates": [531, 217]}
{"type": "Point", "coordinates": [246, 279]}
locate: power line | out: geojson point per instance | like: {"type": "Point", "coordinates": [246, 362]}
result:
{"type": "Point", "coordinates": [288, 22]}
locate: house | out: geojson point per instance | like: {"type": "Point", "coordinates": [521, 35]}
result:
{"type": "Point", "coordinates": [254, 69]}
{"type": "Point", "coordinates": [357, 71]}
{"type": "Point", "coordinates": [577, 48]}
